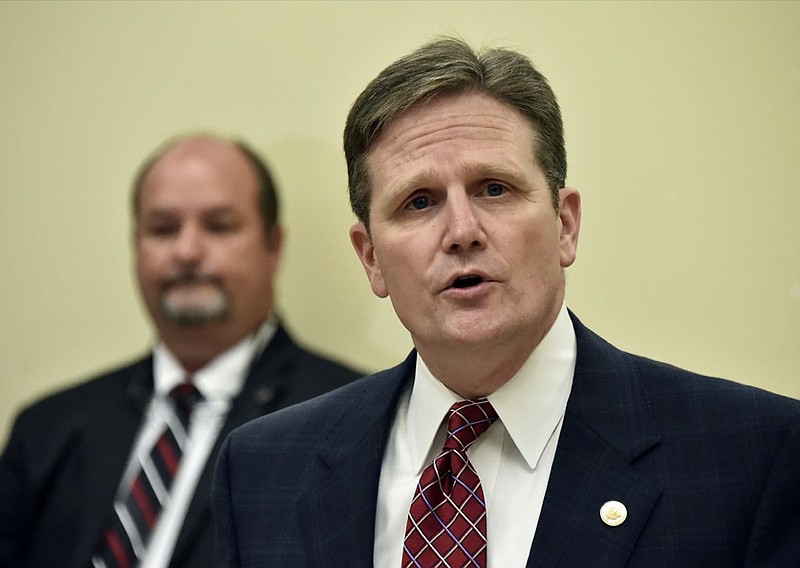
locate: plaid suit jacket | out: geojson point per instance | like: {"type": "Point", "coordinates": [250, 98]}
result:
{"type": "Point", "coordinates": [709, 471]}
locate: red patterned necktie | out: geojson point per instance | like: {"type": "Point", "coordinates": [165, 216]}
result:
{"type": "Point", "coordinates": [447, 520]}
{"type": "Point", "coordinates": [124, 541]}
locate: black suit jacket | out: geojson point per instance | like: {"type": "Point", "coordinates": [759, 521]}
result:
{"type": "Point", "coordinates": [66, 455]}
{"type": "Point", "coordinates": [709, 471]}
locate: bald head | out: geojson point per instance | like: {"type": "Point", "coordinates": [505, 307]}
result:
{"type": "Point", "coordinates": [208, 144]}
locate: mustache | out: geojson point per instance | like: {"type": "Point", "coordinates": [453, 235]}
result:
{"type": "Point", "coordinates": [190, 276]}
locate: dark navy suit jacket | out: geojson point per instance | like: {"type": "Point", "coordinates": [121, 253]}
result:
{"type": "Point", "coordinates": [709, 471]}
{"type": "Point", "coordinates": [66, 454]}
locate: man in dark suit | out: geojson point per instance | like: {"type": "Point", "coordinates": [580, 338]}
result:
{"type": "Point", "coordinates": [512, 435]}
{"type": "Point", "coordinates": [208, 244]}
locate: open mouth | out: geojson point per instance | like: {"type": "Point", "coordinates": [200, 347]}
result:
{"type": "Point", "coordinates": [467, 281]}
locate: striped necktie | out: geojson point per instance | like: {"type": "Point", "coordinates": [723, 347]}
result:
{"type": "Point", "coordinates": [446, 524]}
{"type": "Point", "coordinates": [124, 541]}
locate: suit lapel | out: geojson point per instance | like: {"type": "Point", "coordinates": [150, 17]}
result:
{"type": "Point", "coordinates": [101, 473]}
{"type": "Point", "coordinates": [607, 426]}
{"type": "Point", "coordinates": [338, 516]}
{"type": "Point", "coordinates": [349, 472]}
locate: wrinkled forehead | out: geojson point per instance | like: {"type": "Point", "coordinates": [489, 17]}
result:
{"type": "Point", "coordinates": [464, 121]}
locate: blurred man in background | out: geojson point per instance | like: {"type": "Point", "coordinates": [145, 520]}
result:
{"type": "Point", "coordinates": [116, 471]}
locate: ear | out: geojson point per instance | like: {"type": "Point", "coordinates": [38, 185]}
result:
{"type": "Point", "coordinates": [362, 243]}
{"type": "Point", "coordinates": [274, 238]}
{"type": "Point", "coordinates": [569, 214]}
{"type": "Point", "coordinates": [274, 244]}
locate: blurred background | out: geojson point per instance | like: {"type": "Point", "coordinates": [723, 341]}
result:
{"type": "Point", "coordinates": [682, 124]}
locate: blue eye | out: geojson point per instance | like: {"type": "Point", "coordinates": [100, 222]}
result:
{"type": "Point", "coordinates": [420, 202]}
{"type": "Point", "coordinates": [495, 189]}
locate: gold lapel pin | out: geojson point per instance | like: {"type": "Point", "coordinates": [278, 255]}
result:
{"type": "Point", "coordinates": [613, 513]}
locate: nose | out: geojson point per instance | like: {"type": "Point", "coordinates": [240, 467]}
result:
{"type": "Point", "coordinates": [189, 245]}
{"type": "Point", "coordinates": [463, 230]}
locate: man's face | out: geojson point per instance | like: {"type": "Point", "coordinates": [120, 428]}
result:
{"type": "Point", "coordinates": [463, 235]}
{"type": "Point", "coordinates": [202, 256]}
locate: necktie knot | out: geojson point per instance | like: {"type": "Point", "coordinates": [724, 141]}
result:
{"type": "Point", "coordinates": [185, 396]}
{"type": "Point", "coordinates": [466, 421]}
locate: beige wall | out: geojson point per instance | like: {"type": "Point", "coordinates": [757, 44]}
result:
{"type": "Point", "coordinates": [683, 131]}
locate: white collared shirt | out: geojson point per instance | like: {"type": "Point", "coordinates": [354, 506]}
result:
{"type": "Point", "coordinates": [219, 382]}
{"type": "Point", "coordinates": [513, 457]}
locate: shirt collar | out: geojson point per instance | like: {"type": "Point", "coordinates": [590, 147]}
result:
{"type": "Point", "coordinates": [530, 405]}
{"type": "Point", "coordinates": [223, 377]}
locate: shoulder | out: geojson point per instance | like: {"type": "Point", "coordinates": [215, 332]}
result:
{"type": "Point", "coordinates": [314, 415]}
{"type": "Point", "coordinates": [84, 401]}
{"type": "Point", "coordinates": [604, 362]}
{"type": "Point", "coordinates": [294, 373]}
{"type": "Point", "coordinates": [313, 361]}
{"type": "Point", "coordinates": [352, 407]}
{"type": "Point", "coordinates": [715, 401]}
{"type": "Point", "coordinates": [679, 399]}
{"type": "Point", "coordinates": [286, 356]}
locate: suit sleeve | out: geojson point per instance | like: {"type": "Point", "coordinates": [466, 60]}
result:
{"type": "Point", "coordinates": [14, 496]}
{"type": "Point", "coordinates": [775, 540]}
{"type": "Point", "coordinates": [226, 554]}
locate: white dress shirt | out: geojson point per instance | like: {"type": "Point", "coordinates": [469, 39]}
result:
{"type": "Point", "coordinates": [219, 382]}
{"type": "Point", "coordinates": [513, 457]}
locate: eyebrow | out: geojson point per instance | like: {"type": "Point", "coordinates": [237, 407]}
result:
{"type": "Point", "coordinates": [419, 180]}
{"type": "Point", "coordinates": [168, 210]}
{"type": "Point", "coordinates": [511, 173]}
{"type": "Point", "coordinates": [482, 171]}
